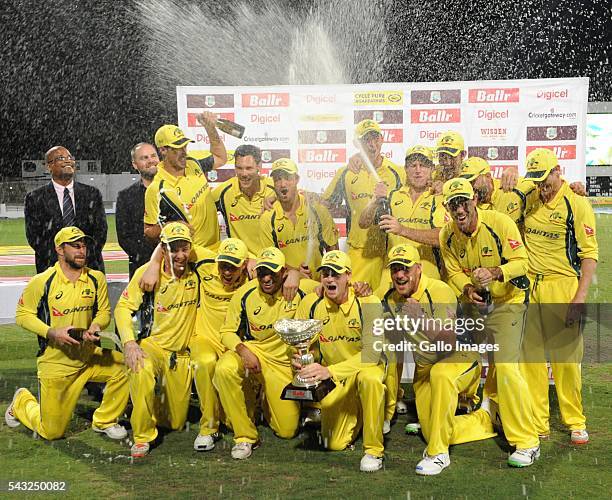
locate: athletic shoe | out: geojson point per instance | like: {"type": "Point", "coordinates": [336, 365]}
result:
{"type": "Point", "coordinates": [115, 431]}
{"type": "Point", "coordinates": [544, 437]}
{"type": "Point", "coordinates": [204, 443]}
{"type": "Point", "coordinates": [386, 427]}
{"type": "Point", "coordinates": [370, 463]}
{"type": "Point", "coordinates": [524, 457]}
{"type": "Point", "coordinates": [313, 416]}
{"type": "Point", "coordinates": [140, 450]}
{"type": "Point", "coordinates": [432, 465]}
{"type": "Point", "coordinates": [413, 428]}
{"type": "Point", "coordinates": [580, 436]}
{"type": "Point", "coordinates": [9, 417]}
{"type": "Point", "coordinates": [401, 408]}
{"type": "Point", "coordinates": [241, 451]}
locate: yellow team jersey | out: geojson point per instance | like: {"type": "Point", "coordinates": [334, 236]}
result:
{"type": "Point", "coordinates": [186, 198]}
{"type": "Point", "coordinates": [313, 227]}
{"type": "Point", "coordinates": [357, 190]}
{"type": "Point", "coordinates": [242, 214]}
{"type": "Point", "coordinates": [560, 233]}
{"type": "Point", "coordinates": [175, 302]}
{"type": "Point", "coordinates": [511, 203]}
{"type": "Point", "coordinates": [252, 314]}
{"type": "Point", "coordinates": [496, 242]}
{"type": "Point", "coordinates": [437, 300]}
{"type": "Point", "coordinates": [426, 213]}
{"type": "Point", "coordinates": [214, 298]}
{"type": "Point", "coordinates": [346, 341]}
{"type": "Point", "coordinates": [51, 300]}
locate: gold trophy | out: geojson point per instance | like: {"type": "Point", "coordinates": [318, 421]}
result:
{"type": "Point", "coordinates": [300, 334]}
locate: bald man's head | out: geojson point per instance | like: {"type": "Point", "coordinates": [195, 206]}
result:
{"type": "Point", "coordinates": [61, 164]}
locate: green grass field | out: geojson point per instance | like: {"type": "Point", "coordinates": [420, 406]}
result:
{"type": "Point", "coordinates": [297, 468]}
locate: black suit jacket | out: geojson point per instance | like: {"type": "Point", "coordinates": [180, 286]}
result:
{"type": "Point", "coordinates": [130, 226]}
{"type": "Point", "coordinates": [43, 218]}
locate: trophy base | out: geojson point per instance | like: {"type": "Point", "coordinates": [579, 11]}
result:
{"type": "Point", "coordinates": [313, 393]}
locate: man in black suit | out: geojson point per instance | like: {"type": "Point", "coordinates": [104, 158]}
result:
{"type": "Point", "coordinates": [130, 208]}
{"type": "Point", "coordinates": [61, 203]}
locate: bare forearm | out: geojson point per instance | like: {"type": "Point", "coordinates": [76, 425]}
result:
{"type": "Point", "coordinates": [367, 216]}
{"type": "Point", "coordinates": [588, 267]}
{"type": "Point", "coordinates": [152, 231]}
{"type": "Point", "coordinates": [217, 148]}
{"type": "Point", "coordinates": [429, 237]}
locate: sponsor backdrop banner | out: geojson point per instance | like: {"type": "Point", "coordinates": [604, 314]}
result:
{"type": "Point", "coordinates": [501, 121]}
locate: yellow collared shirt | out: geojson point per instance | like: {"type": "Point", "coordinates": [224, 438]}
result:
{"type": "Point", "coordinates": [242, 214]}
{"type": "Point", "coordinates": [313, 226]}
{"type": "Point", "coordinates": [496, 242]}
{"type": "Point", "coordinates": [511, 203]}
{"type": "Point", "coordinates": [78, 304]}
{"type": "Point", "coordinates": [186, 197]}
{"type": "Point", "coordinates": [560, 233]}
{"type": "Point", "coordinates": [357, 190]}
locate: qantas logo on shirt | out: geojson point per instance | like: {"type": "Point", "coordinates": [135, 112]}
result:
{"type": "Point", "coordinates": [589, 230]}
{"type": "Point", "coordinates": [236, 218]}
{"type": "Point", "coordinates": [514, 244]}
{"type": "Point", "coordinates": [56, 312]}
{"type": "Point", "coordinates": [125, 294]}
{"type": "Point", "coordinates": [20, 300]}
{"type": "Point", "coordinates": [291, 241]}
{"type": "Point", "coordinates": [361, 196]}
{"type": "Point", "coordinates": [260, 328]}
{"type": "Point", "coordinates": [160, 308]}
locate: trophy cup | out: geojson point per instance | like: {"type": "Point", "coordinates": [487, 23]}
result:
{"type": "Point", "coordinates": [300, 333]}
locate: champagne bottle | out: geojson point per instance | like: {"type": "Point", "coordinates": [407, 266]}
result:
{"type": "Point", "coordinates": [230, 128]}
{"type": "Point", "coordinates": [382, 209]}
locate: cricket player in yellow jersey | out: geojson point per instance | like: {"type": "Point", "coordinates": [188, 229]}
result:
{"type": "Point", "coordinates": [241, 198]}
{"type": "Point", "coordinates": [561, 241]}
{"type": "Point", "coordinates": [416, 215]}
{"type": "Point", "coordinates": [255, 350]}
{"type": "Point", "coordinates": [489, 192]}
{"type": "Point", "coordinates": [451, 152]}
{"type": "Point", "coordinates": [160, 363]}
{"type": "Point", "coordinates": [441, 377]}
{"type": "Point", "coordinates": [65, 297]}
{"type": "Point", "coordinates": [486, 259]}
{"type": "Point", "coordinates": [303, 230]}
{"type": "Point", "coordinates": [348, 358]}
{"type": "Point", "coordinates": [367, 247]}
{"type": "Point", "coordinates": [180, 192]}
{"type": "Point", "coordinates": [220, 276]}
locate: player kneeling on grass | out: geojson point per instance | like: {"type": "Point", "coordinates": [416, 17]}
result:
{"type": "Point", "coordinates": [441, 375]}
{"type": "Point", "coordinates": [347, 357]}
{"type": "Point", "coordinates": [255, 350]}
{"type": "Point", "coordinates": [56, 305]}
{"type": "Point", "coordinates": [160, 363]}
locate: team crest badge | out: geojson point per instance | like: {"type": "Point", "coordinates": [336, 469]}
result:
{"type": "Point", "coordinates": [212, 176]}
{"type": "Point", "coordinates": [209, 100]}
{"type": "Point", "coordinates": [378, 116]}
{"type": "Point", "coordinates": [266, 156]}
{"type": "Point", "coordinates": [492, 153]}
{"type": "Point", "coordinates": [321, 136]}
{"type": "Point", "coordinates": [551, 133]}
{"type": "Point", "coordinates": [435, 96]}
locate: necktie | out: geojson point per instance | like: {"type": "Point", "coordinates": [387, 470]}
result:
{"type": "Point", "coordinates": [68, 217]}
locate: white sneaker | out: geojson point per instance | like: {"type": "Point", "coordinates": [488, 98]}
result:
{"type": "Point", "coordinates": [401, 408]}
{"type": "Point", "coordinates": [581, 436]}
{"type": "Point", "coordinates": [524, 457]}
{"type": "Point", "coordinates": [313, 416]}
{"type": "Point", "coordinates": [140, 450]}
{"type": "Point", "coordinates": [9, 417]}
{"type": "Point", "coordinates": [432, 465]}
{"type": "Point", "coordinates": [241, 451]}
{"type": "Point", "coordinates": [413, 428]}
{"type": "Point", "coordinates": [386, 427]}
{"type": "Point", "coordinates": [204, 443]}
{"type": "Point", "coordinates": [370, 463]}
{"type": "Point", "coordinates": [115, 431]}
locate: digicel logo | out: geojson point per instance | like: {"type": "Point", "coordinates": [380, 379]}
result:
{"type": "Point", "coordinates": [393, 135]}
{"type": "Point", "coordinates": [192, 120]}
{"type": "Point", "coordinates": [552, 94]}
{"type": "Point", "coordinates": [322, 155]}
{"type": "Point", "coordinates": [265, 100]}
{"type": "Point", "coordinates": [435, 115]}
{"type": "Point", "coordinates": [493, 95]}
{"type": "Point", "coordinates": [565, 152]}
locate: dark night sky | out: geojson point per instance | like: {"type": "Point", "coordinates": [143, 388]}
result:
{"type": "Point", "coordinates": [75, 72]}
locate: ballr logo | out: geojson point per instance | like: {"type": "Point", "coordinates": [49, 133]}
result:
{"type": "Point", "coordinates": [393, 135]}
{"type": "Point", "coordinates": [320, 99]}
{"type": "Point", "coordinates": [493, 95]}
{"type": "Point", "coordinates": [435, 115]}
{"type": "Point", "coordinates": [322, 155]}
{"type": "Point", "coordinates": [552, 94]}
{"type": "Point", "coordinates": [265, 100]}
{"type": "Point", "coordinates": [565, 152]}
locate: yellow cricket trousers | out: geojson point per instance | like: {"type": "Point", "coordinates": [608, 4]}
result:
{"type": "Point", "coordinates": [230, 379]}
{"type": "Point", "coordinates": [505, 383]}
{"type": "Point", "coordinates": [546, 333]}
{"type": "Point", "coordinates": [160, 391]}
{"type": "Point", "coordinates": [59, 396]}
{"type": "Point", "coordinates": [357, 401]}
{"type": "Point", "coordinates": [437, 388]}
{"type": "Point", "coordinates": [205, 353]}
